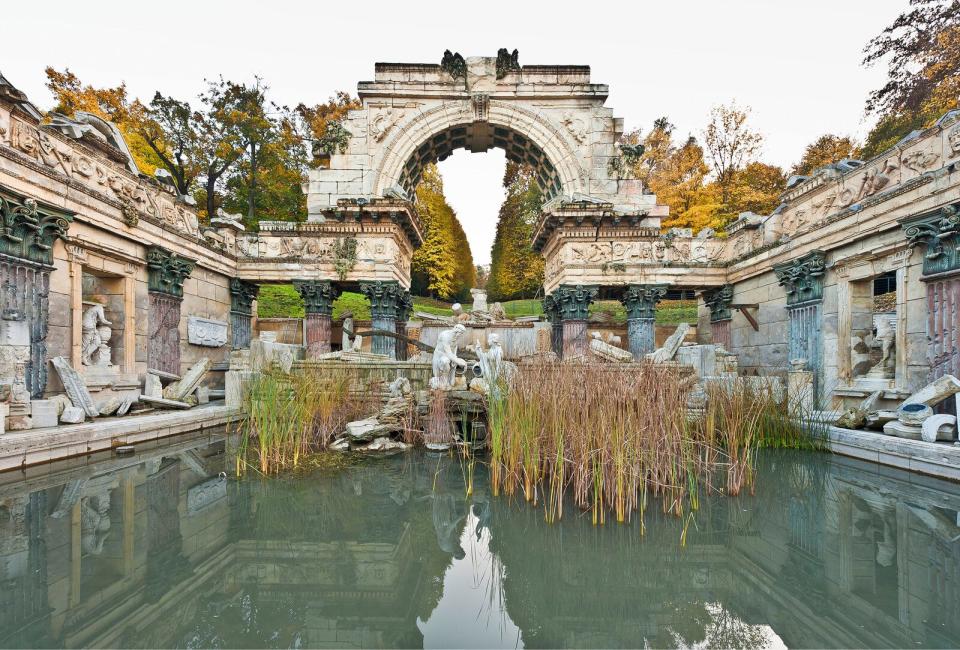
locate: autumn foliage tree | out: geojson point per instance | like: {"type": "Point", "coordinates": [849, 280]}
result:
{"type": "Point", "coordinates": [443, 266]}
{"type": "Point", "coordinates": [824, 150]}
{"type": "Point", "coordinates": [516, 270]}
{"type": "Point", "coordinates": [921, 48]}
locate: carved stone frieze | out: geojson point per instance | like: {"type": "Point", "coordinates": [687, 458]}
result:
{"type": "Point", "coordinates": [381, 121]}
{"type": "Point", "coordinates": [803, 277]}
{"type": "Point", "coordinates": [166, 271]}
{"type": "Point", "coordinates": [135, 196]}
{"type": "Point", "coordinates": [206, 332]}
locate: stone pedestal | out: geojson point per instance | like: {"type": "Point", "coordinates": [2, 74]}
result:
{"type": "Point", "coordinates": [640, 336]}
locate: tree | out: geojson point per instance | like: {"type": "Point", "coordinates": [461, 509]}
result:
{"type": "Point", "coordinates": [922, 51]}
{"type": "Point", "coordinates": [243, 109]}
{"type": "Point", "coordinates": [320, 117]}
{"type": "Point", "coordinates": [757, 188]}
{"type": "Point", "coordinates": [443, 265]}
{"type": "Point", "coordinates": [516, 270]}
{"type": "Point", "coordinates": [731, 144]}
{"type": "Point", "coordinates": [826, 149]}
{"type": "Point", "coordinates": [111, 104]}
{"type": "Point", "coordinates": [679, 184]}
{"type": "Point", "coordinates": [657, 146]}
{"type": "Point", "coordinates": [169, 127]}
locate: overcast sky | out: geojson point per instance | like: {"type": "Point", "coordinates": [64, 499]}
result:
{"type": "Point", "coordinates": [796, 64]}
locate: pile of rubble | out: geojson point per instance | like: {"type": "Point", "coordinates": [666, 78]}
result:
{"type": "Point", "coordinates": [77, 404]}
{"type": "Point", "coordinates": [914, 418]}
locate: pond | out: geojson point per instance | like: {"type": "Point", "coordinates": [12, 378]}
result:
{"type": "Point", "coordinates": [159, 550]}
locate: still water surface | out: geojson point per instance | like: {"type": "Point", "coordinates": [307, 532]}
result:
{"type": "Point", "coordinates": [159, 551]}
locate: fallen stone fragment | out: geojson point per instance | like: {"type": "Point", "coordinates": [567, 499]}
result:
{"type": "Point", "coordinates": [109, 406]}
{"type": "Point", "coordinates": [340, 445]}
{"type": "Point", "coordinates": [162, 402]}
{"type": "Point", "coordinates": [366, 429]}
{"type": "Point", "coordinates": [152, 386]}
{"type": "Point", "coordinates": [162, 375]}
{"type": "Point", "coordinates": [385, 444]}
{"type": "Point", "coordinates": [62, 402]}
{"type": "Point", "coordinates": [75, 387]}
{"type": "Point", "coordinates": [203, 395]}
{"type": "Point", "coordinates": [914, 413]}
{"type": "Point", "coordinates": [44, 413]}
{"type": "Point", "coordinates": [939, 427]}
{"type": "Point", "coordinates": [191, 379]}
{"type": "Point", "coordinates": [126, 403]}
{"type": "Point", "coordinates": [901, 430]}
{"type": "Point", "coordinates": [936, 391]}
{"type": "Point", "coordinates": [72, 415]}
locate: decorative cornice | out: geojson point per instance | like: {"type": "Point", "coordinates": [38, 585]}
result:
{"type": "Point", "coordinates": [641, 299]}
{"type": "Point", "coordinates": [718, 302]}
{"type": "Point", "coordinates": [242, 295]}
{"type": "Point", "coordinates": [166, 271]}
{"type": "Point", "coordinates": [318, 295]}
{"type": "Point", "coordinates": [573, 301]}
{"type": "Point", "coordinates": [388, 300]}
{"type": "Point", "coordinates": [803, 277]}
{"type": "Point", "coordinates": [28, 231]}
{"type": "Point", "coordinates": [939, 234]}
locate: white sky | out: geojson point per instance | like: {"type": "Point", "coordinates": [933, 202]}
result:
{"type": "Point", "coordinates": [797, 64]}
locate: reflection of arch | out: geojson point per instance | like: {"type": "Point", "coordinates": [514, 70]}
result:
{"type": "Point", "coordinates": [521, 132]}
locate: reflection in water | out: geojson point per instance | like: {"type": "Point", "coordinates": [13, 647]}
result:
{"type": "Point", "coordinates": [158, 551]}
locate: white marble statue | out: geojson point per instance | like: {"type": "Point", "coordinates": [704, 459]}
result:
{"type": "Point", "coordinates": [96, 336]}
{"type": "Point", "coordinates": [445, 359]}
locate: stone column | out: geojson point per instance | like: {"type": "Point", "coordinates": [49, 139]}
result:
{"type": "Point", "coordinates": [803, 280]}
{"type": "Point", "coordinates": [403, 315]}
{"type": "Point", "coordinates": [318, 297]}
{"type": "Point", "coordinates": [552, 311]}
{"type": "Point", "coordinates": [387, 302]}
{"type": "Point", "coordinates": [718, 302]}
{"type": "Point", "coordinates": [166, 273]}
{"type": "Point", "coordinates": [27, 260]}
{"type": "Point", "coordinates": [242, 295]}
{"type": "Point", "coordinates": [573, 303]}
{"type": "Point", "coordinates": [641, 303]}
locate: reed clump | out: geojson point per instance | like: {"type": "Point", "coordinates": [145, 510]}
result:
{"type": "Point", "coordinates": [614, 439]}
{"type": "Point", "coordinates": [292, 416]}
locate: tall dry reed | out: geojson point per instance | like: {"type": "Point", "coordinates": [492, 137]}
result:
{"type": "Point", "coordinates": [292, 415]}
{"type": "Point", "coordinates": [612, 438]}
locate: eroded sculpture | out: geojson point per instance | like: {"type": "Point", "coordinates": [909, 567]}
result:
{"type": "Point", "coordinates": [96, 337]}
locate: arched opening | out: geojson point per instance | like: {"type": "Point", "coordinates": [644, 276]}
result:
{"type": "Point", "coordinates": [478, 137]}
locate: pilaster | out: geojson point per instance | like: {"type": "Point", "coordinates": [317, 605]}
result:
{"type": "Point", "coordinates": [388, 303]}
{"type": "Point", "coordinates": [242, 296]}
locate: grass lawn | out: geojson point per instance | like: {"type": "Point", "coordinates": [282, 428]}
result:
{"type": "Point", "coordinates": [283, 301]}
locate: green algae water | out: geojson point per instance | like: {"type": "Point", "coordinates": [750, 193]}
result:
{"type": "Point", "coordinates": [161, 550]}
